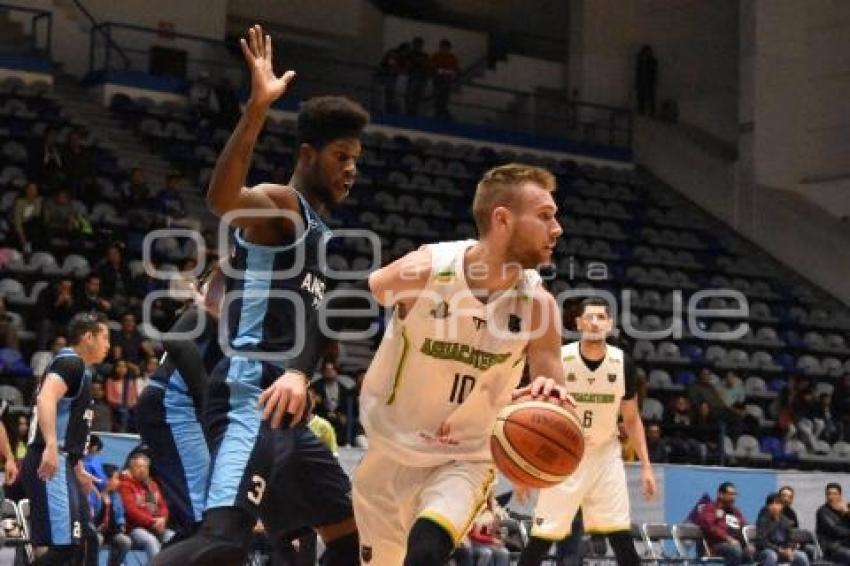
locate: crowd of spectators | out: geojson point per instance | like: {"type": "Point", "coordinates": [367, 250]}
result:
{"type": "Point", "coordinates": [410, 65]}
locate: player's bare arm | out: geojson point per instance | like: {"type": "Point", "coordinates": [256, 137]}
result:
{"type": "Point", "coordinates": [10, 467]}
{"type": "Point", "coordinates": [544, 350]}
{"type": "Point", "coordinates": [227, 191]}
{"type": "Point", "coordinates": [399, 283]}
{"type": "Point", "coordinates": [634, 428]}
{"type": "Point", "coordinates": [52, 390]}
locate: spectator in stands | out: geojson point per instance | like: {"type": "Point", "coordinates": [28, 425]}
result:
{"type": "Point", "coordinates": [774, 536]}
{"type": "Point", "coordinates": [91, 298]}
{"type": "Point", "coordinates": [333, 399]}
{"type": "Point", "coordinates": [323, 429]}
{"type": "Point", "coordinates": [145, 507]}
{"type": "Point", "coordinates": [732, 389]}
{"type": "Point", "coordinates": [45, 159]}
{"type": "Point", "coordinates": [78, 166]}
{"type": "Point", "coordinates": [833, 526]}
{"type": "Point", "coordinates": [110, 519]}
{"type": "Point", "coordinates": [136, 191]}
{"type": "Point", "coordinates": [418, 71]}
{"type": "Point", "coordinates": [20, 437]}
{"type": "Point", "coordinates": [704, 390]}
{"type": "Point", "coordinates": [121, 393]}
{"type": "Point", "coordinates": [722, 526]}
{"type": "Point", "coordinates": [115, 279]}
{"type": "Point", "coordinates": [101, 411]}
{"type": "Point", "coordinates": [841, 404]}
{"type": "Point", "coordinates": [147, 369]}
{"type": "Point", "coordinates": [169, 202]}
{"type": "Point", "coordinates": [94, 465]}
{"type": "Point", "coordinates": [706, 428]}
{"type": "Point", "coordinates": [134, 347]}
{"type": "Point", "coordinates": [646, 80]}
{"type": "Point", "coordinates": [8, 331]}
{"type": "Point", "coordinates": [41, 359]}
{"type": "Point", "coordinates": [56, 306]}
{"type": "Point", "coordinates": [657, 446]}
{"type": "Point", "coordinates": [446, 68]}
{"type": "Point", "coordinates": [26, 218]}
{"type": "Point", "coordinates": [487, 545]}
{"type": "Point", "coordinates": [60, 217]}
{"type": "Point", "coordinates": [832, 427]}
{"type": "Point", "coordinates": [786, 492]}
{"type": "Point", "coordinates": [392, 65]}
{"type": "Point", "coordinates": [203, 99]}
{"type": "Point", "coordinates": [679, 414]}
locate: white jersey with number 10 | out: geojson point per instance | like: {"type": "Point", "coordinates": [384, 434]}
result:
{"type": "Point", "coordinates": [443, 372]}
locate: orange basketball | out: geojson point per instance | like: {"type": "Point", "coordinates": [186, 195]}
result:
{"type": "Point", "coordinates": [536, 443]}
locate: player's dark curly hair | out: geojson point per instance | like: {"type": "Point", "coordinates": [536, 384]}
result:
{"type": "Point", "coordinates": [324, 119]}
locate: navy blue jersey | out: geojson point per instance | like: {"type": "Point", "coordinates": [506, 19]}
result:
{"type": "Point", "coordinates": [264, 316]}
{"type": "Point", "coordinates": [73, 412]}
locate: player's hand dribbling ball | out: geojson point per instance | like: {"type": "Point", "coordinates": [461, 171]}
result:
{"type": "Point", "coordinates": [537, 443]}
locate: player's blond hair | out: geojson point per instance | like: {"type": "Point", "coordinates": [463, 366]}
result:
{"type": "Point", "coordinates": [500, 187]}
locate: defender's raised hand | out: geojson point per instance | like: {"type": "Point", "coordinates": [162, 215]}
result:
{"type": "Point", "coordinates": [266, 87]}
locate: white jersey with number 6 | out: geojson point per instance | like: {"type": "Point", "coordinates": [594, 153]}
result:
{"type": "Point", "coordinates": [443, 372]}
{"type": "Point", "coordinates": [598, 392]}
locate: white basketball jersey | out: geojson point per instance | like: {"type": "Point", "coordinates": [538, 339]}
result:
{"type": "Point", "coordinates": [443, 372]}
{"type": "Point", "coordinates": [597, 393]}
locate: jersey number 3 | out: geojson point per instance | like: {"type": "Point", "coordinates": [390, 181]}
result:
{"type": "Point", "coordinates": [462, 387]}
{"type": "Point", "coordinates": [258, 488]}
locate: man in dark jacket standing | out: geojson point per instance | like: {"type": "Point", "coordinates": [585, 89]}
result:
{"type": "Point", "coordinates": [774, 536]}
{"type": "Point", "coordinates": [722, 525]}
{"type": "Point", "coordinates": [833, 526]}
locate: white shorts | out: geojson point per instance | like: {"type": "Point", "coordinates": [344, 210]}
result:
{"type": "Point", "coordinates": [598, 486]}
{"type": "Point", "coordinates": [389, 497]}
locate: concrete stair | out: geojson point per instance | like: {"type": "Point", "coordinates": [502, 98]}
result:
{"type": "Point", "coordinates": [84, 108]}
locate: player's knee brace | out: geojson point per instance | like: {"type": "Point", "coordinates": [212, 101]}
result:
{"type": "Point", "coordinates": [57, 556]}
{"type": "Point", "coordinates": [342, 551]}
{"type": "Point", "coordinates": [428, 544]}
{"type": "Point", "coordinates": [534, 552]}
{"type": "Point", "coordinates": [624, 548]}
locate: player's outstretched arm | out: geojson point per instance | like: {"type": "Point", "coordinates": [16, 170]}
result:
{"type": "Point", "coordinates": [227, 191]}
{"type": "Point", "coordinates": [10, 470]}
{"type": "Point", "coordinates": [402, 280]}
{"type": "Point", "coordinates": [634, 428]}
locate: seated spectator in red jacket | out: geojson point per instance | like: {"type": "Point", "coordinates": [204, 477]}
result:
{"type": "Point", "coordinates": [144, 507]}
{"type": "Point", "coordinates": [722, 525]}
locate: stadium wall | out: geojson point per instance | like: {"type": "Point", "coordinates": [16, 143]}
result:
{"type": "Point", "coordinates": [696, 43]}
{"type": "Point", "coordinates": [796, 74]}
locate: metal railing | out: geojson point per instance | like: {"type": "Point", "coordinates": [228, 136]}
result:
{"type": "Point", "coordinates": [111, 45]}
{"type": "Point", "coordinates": [37, 19]}
{"type": "Point", "coordinates": [539, 113]}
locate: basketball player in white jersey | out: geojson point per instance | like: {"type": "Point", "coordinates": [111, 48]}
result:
{"type": "Point", "coordinates": [468, 316]}
{"type": "Point", "coordinates": [601, 379]}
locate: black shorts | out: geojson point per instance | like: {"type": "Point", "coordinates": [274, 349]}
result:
{"type": "Point", "coordinates": [58, 508]}
{"type": "Point", "coordinates": [286, 477]}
